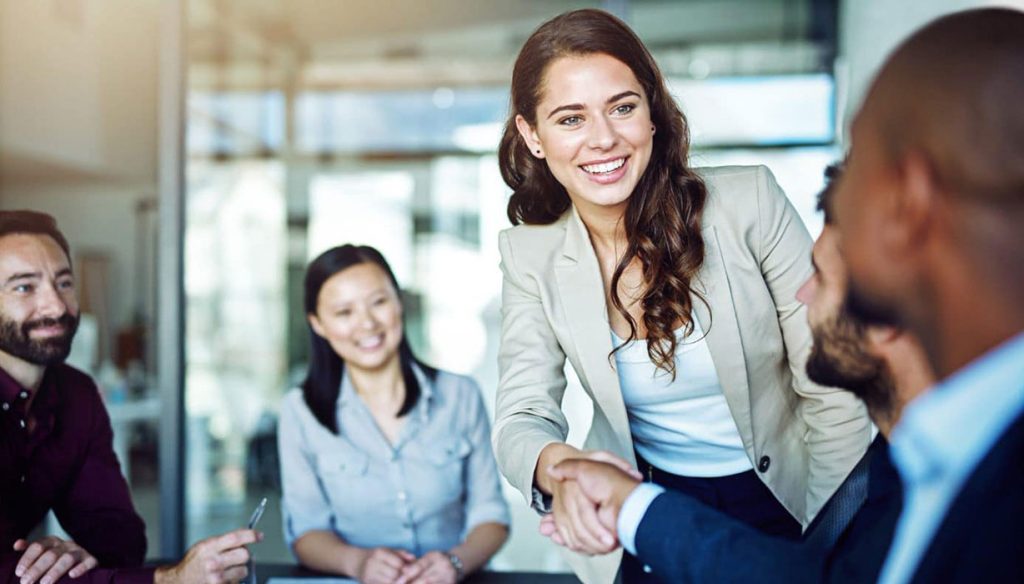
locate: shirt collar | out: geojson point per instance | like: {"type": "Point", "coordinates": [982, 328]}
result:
{"type": "Point", "coordinates": [12, 392]}
{"type": "Point", "coordinates": [14, 399]}
{"type": "Point", "coordinates": [950, 428]}
{"type": "Point", "coordinates": [347, 392]}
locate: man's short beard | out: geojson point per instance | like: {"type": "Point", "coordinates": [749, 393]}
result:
{"type": "Point", "coordinates": [838, 359]}
{"type": "Point", "coordinates": [16, 341]}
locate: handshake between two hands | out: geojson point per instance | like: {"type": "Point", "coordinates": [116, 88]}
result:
{"type": "Point", "coordinates": [588, 492]}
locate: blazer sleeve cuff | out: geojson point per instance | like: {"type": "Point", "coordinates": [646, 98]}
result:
{"type": "Point", "coordinates": [541, 502]}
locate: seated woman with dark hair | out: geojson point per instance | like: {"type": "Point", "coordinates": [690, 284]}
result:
{"type": "Point", "coordinates": [386, 466]}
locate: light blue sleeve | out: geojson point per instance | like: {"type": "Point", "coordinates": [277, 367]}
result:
{"type": "Point", "coordinates": [304, 505]}
{"type": "Point", "coordinates": [632, 513]}
{"type": "Point", "coordinates": [484, 500]}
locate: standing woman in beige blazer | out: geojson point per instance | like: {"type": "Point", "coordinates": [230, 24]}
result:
{"type": "Point", "coordinates": [670, 290]}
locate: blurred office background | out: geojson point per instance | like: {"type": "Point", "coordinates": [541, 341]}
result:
{"type": "Point", "coordinates": [198, 153]}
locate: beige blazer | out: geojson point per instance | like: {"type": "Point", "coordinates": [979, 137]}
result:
{"type": "Point", "coordinates": [805, 437]}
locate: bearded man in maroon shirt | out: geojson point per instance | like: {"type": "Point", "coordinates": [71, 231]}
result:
{"type": "Point", "coordinates": [56, 443]}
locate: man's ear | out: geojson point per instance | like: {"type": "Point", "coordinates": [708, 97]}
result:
{"type": "Point", "coordinates": [917, 206]}
{"type": "Point", "coordinates": [529, 136]}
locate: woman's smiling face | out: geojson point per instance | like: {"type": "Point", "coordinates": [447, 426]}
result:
{"type": "Point", "coordinates": [593, 128]}
{"type": "Point", "coordinates": [359, 314]}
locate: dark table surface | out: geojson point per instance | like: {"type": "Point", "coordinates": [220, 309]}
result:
{"type": "Point", "coordinates": [264, 572]}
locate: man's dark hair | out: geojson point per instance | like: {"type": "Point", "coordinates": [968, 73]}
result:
{"type": "Point", "coordinates": [32, 222]}
{"type": "Point", "coordinates": [832, 174]}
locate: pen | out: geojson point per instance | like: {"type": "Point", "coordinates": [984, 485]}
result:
{"type": "Point", "coordinates": [257, 513]}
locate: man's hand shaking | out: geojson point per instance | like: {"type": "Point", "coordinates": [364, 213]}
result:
{"type": "Point", "coordinates": [601, 486]}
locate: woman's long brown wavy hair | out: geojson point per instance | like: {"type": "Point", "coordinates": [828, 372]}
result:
{"type": "Point", "coordinates": [663, 216]}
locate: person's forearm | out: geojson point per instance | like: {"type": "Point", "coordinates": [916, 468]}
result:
{"type": "Point", "coordinates": [482, 542]}
{"type": "Point", "coordinates": [683, 540]}
{"type": "Point", "coordinates": [551, 455]}
{"type": "Point", "coordinates": [324, 551]}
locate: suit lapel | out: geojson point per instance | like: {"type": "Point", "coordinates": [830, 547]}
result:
{"type": "Point", "coordinates": [582, 292]}
{"type": "Point", "coordinates": [723, 334]}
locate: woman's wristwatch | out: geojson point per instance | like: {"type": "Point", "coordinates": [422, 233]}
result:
{"type": "Point", "coordinates": [460, 570]}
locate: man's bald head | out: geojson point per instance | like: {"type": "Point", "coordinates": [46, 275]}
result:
{"type": "Point", "coordinates": [931, 204]}
{"type": "Point", "coordinates": [954, 92]}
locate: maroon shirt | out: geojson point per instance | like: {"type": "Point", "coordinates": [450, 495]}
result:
{"type": "Point", "coordinates": [67, 464]}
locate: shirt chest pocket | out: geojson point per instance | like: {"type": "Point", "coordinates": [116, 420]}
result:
{"type": "Point", "coordinates": [446, 461]}
{"type": "Point", "coordinates": [347, 481]}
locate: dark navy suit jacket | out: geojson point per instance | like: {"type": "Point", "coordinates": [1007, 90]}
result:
{"type": "Point", "coordinates": [682, 540]}
{"type": "Point", "coordinates": [981, 539]}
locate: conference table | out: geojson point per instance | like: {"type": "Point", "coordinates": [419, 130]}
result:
{"type": "Point", "coordinates": [286, 573]}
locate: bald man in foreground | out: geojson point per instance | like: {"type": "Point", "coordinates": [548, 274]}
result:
{"type": "Point", "coordinates": [931, 212]}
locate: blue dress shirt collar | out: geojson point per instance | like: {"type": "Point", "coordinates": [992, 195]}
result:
{"type": "Point", "coordinates": [939, 441]}
{"type": "Point", "coordinates": [949, 429]}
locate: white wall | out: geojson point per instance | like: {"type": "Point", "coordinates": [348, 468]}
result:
{"type": "Point", "coordinates": [78, 83]}
{"type": "Point", "coordinates": [871, 29]}
{"type": "Point", "coordinates": [78, 126]}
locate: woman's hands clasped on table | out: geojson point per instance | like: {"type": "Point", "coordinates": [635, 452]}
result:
{"type": "Point", "coordinates": [391, 566]}
{"type": "Point", "coordinates": [382, 565]}
{"type": "Point", "coordinates": [432, 568]}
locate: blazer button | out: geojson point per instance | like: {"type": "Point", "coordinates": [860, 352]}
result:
{"type": "Point", "coordinates": [764, 463]}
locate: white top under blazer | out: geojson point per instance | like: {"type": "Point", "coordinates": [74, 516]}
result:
{"type": "Point", "coordinates": [682, 426]}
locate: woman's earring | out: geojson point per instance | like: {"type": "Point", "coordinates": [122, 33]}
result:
{"type": "Point", "coordinates": [537, 151]}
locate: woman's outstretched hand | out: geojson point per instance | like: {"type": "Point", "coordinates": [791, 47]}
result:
{"type": "Point", "coordinates": [575, 522]}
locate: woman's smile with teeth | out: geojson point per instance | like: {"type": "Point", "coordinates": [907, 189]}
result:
{"type": "Point", "coordinates": [371, 342]}
{"type": "Point", "coordinates": [604, 167]}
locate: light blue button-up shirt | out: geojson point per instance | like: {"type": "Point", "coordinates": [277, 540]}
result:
{"type": "Point", "coordinates": [940, 440]}
{"type": "Point", "coordinates": [425, 492]}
